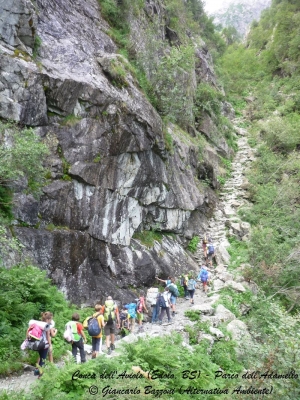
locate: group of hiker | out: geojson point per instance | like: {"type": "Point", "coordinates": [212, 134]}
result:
{"type": "Point", "coordinates": [107, 318]}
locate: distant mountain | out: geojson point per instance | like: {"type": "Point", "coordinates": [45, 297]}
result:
{"type": "Point", "coordinates": [239, 13]}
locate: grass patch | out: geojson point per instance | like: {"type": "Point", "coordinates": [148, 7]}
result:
{"type": "Point", "coordinates": [147, 238]}
{"type": "Point", "coordinates": [70, 120]}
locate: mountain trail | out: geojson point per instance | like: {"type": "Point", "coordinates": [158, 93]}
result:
{"type": "Point", "coordinates": [224, 221]}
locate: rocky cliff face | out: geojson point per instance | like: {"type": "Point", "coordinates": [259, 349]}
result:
{"type": "Point", "coordinates": [240, 13]}
{"type": "Point", "coordinates": [111, 174]}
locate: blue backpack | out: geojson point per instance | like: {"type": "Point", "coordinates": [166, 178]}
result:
{"type": "Point", "coordinates": [131, 307]}
{"type": "Point", "coordinates": [211, 249]}
{"type": "Point", "coordinates": [204, 275]}
{"type": "Point", "coordinates": [93, 326]}
{"type": "Point", "coordinates": [161, 301]}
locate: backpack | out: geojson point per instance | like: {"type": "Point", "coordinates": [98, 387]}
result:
{"type": "Point", "coordinates": [70, 333]}
{"type": "Point", "coordinates": [109, 311]}
{"type": "Point", "coordinates": [161, 301]}
{"type": "Point", "coordinates": [37, 345]}
{"type": "Point", "coordinates": [204, 275]}
{"type": "Point", "coordinates": [191, 284]}
{"type": "Point", "coordinates": [173, 290]}
{"type": "Point", "coordinates": [139, 306]}
{"type": "Point", "coordinates": [34, 332]}
{"type": "Point", "coordinates": [152, 296]}
{"type": "Point", "coordinates": [211, 249]}
{"type": "Point", "coordinates": [131, 307]}
{"type": "Point", "coordinates": [93, 327]}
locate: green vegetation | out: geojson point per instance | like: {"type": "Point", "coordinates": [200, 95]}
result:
{"type": "Point", "coordinates": [70, 120]}
{"type": "Point", "coordinates": [192, 246]}
{"type": "Point", "coordinates": [25, 292]}
{"type": "Point", "coordinates": [37, 45]}
{"type": "Point", "coordinates": [149, 356]}
{"type": "Point", "coordinates": [147, 238]}
{"type": "Point", "coordinates": [20, 159]}
{"type": "Point", "coordinates": [165, 72]}
{"type": "Point", "coordinates": [265, 72]}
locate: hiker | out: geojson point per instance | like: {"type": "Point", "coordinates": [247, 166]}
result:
{"type": "Point", "coordinates": [204, 246]}
{"type": "Point", "coordinates": [210, 251]}
{"type": "Point", "coordinates": [111, 316]}
{"type": "Point", "coordinates": [140, 308]}
{"type": "Point", "coordinates": [123, 317]}
{"type": "Point", "coordinates": [184, 282]}
{"type": "Point", "coordinates": [165, 281]}
{"type": "Point", "coordinates": [78, 338]}
{"type": "Point", "coordinates": [204, 277]}
{"type": "Point", "coordinates": [174, 294]}
{"type": "Point", "coordinates": [97, 340]}
{"type": "Point", "coordinates": [199, 275]}
{"type": "Point", "coordinates": [164, 303]}
{"type": "Point", "coordinates": [151, 299]}
{"type": "Point", "coordinates": [191, 287]}
{"type": "Point", "coordinates": [131, 312]}
{"type": "Point", "coordinates": [124, 321]}
{"type": "Point", "coordinates": [46, 317]}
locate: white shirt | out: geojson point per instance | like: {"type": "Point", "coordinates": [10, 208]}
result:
{"type": "Point", "coordinates": [167, 296]}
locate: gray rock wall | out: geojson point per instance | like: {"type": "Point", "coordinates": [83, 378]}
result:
{"type": "Point", "coordinates": [111, 174]}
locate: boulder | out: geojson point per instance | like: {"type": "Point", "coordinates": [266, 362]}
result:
{"type": "Point", "coordinates": [225, 276]}
{"type": "Point", "coordinates": [221, 254]}
{"type": "Point", "coordinates": [218, 284]}
{"type": "Point", "coordinates": [203, 308]}
{"type": "Point", "coordinates": [238, 287]}
{"type": "Point", "coordinates": [239, 331]}
{"type": "Point", "coordinates": [223, 314]}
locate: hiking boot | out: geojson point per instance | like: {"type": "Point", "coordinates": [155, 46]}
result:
{"type": "Point", "coordinates": [170, 321]}
{"type": "Point", "coordinates": [112, 346]}
{"type": "Point", "coordinates": [36, 372]}
{"type": "Point", "coordinates": [173, 314]}
{"type": "Point", "coordinates": [108, 351]}
{"type": "Point", "coordinates": [187, 298]}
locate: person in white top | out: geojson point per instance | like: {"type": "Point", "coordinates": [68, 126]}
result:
{"type": "Point", "coordinates": [164, 302]}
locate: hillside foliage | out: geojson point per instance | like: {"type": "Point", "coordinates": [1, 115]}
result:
{"type": "Point", "coordinates": [265, 72]}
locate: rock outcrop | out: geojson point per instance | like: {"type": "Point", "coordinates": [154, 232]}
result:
{"type": "Point", "coordinates": [111, 173]}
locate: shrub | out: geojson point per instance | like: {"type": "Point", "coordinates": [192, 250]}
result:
{"type": "Point", "coordinates": [25, 292]}
{"type": "Point", "coordinates": [192, 246]}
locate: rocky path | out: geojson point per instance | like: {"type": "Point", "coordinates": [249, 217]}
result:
{"type": "Point", "coordinates": [224, 221]}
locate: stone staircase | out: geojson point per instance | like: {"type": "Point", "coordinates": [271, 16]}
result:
{"type": "Point", "coordinates": [225, 219]}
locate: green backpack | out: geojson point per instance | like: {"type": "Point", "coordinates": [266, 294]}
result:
{"type": "Point", "coordinates": [109, 311]}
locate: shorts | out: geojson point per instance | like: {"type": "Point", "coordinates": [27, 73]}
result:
{"type": "Point", "coordinates": [204, 283]}
{"type": "Point", "coordinates": [139, 316]}
{"type": "Point", "coordinates": [95, 344]}
{"type": "Point", "coordinates": [109, 329]}
{"type": "Point", "coordinates": [210, 256]}
{"type": "Point", "coordinates": [173, 299]}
